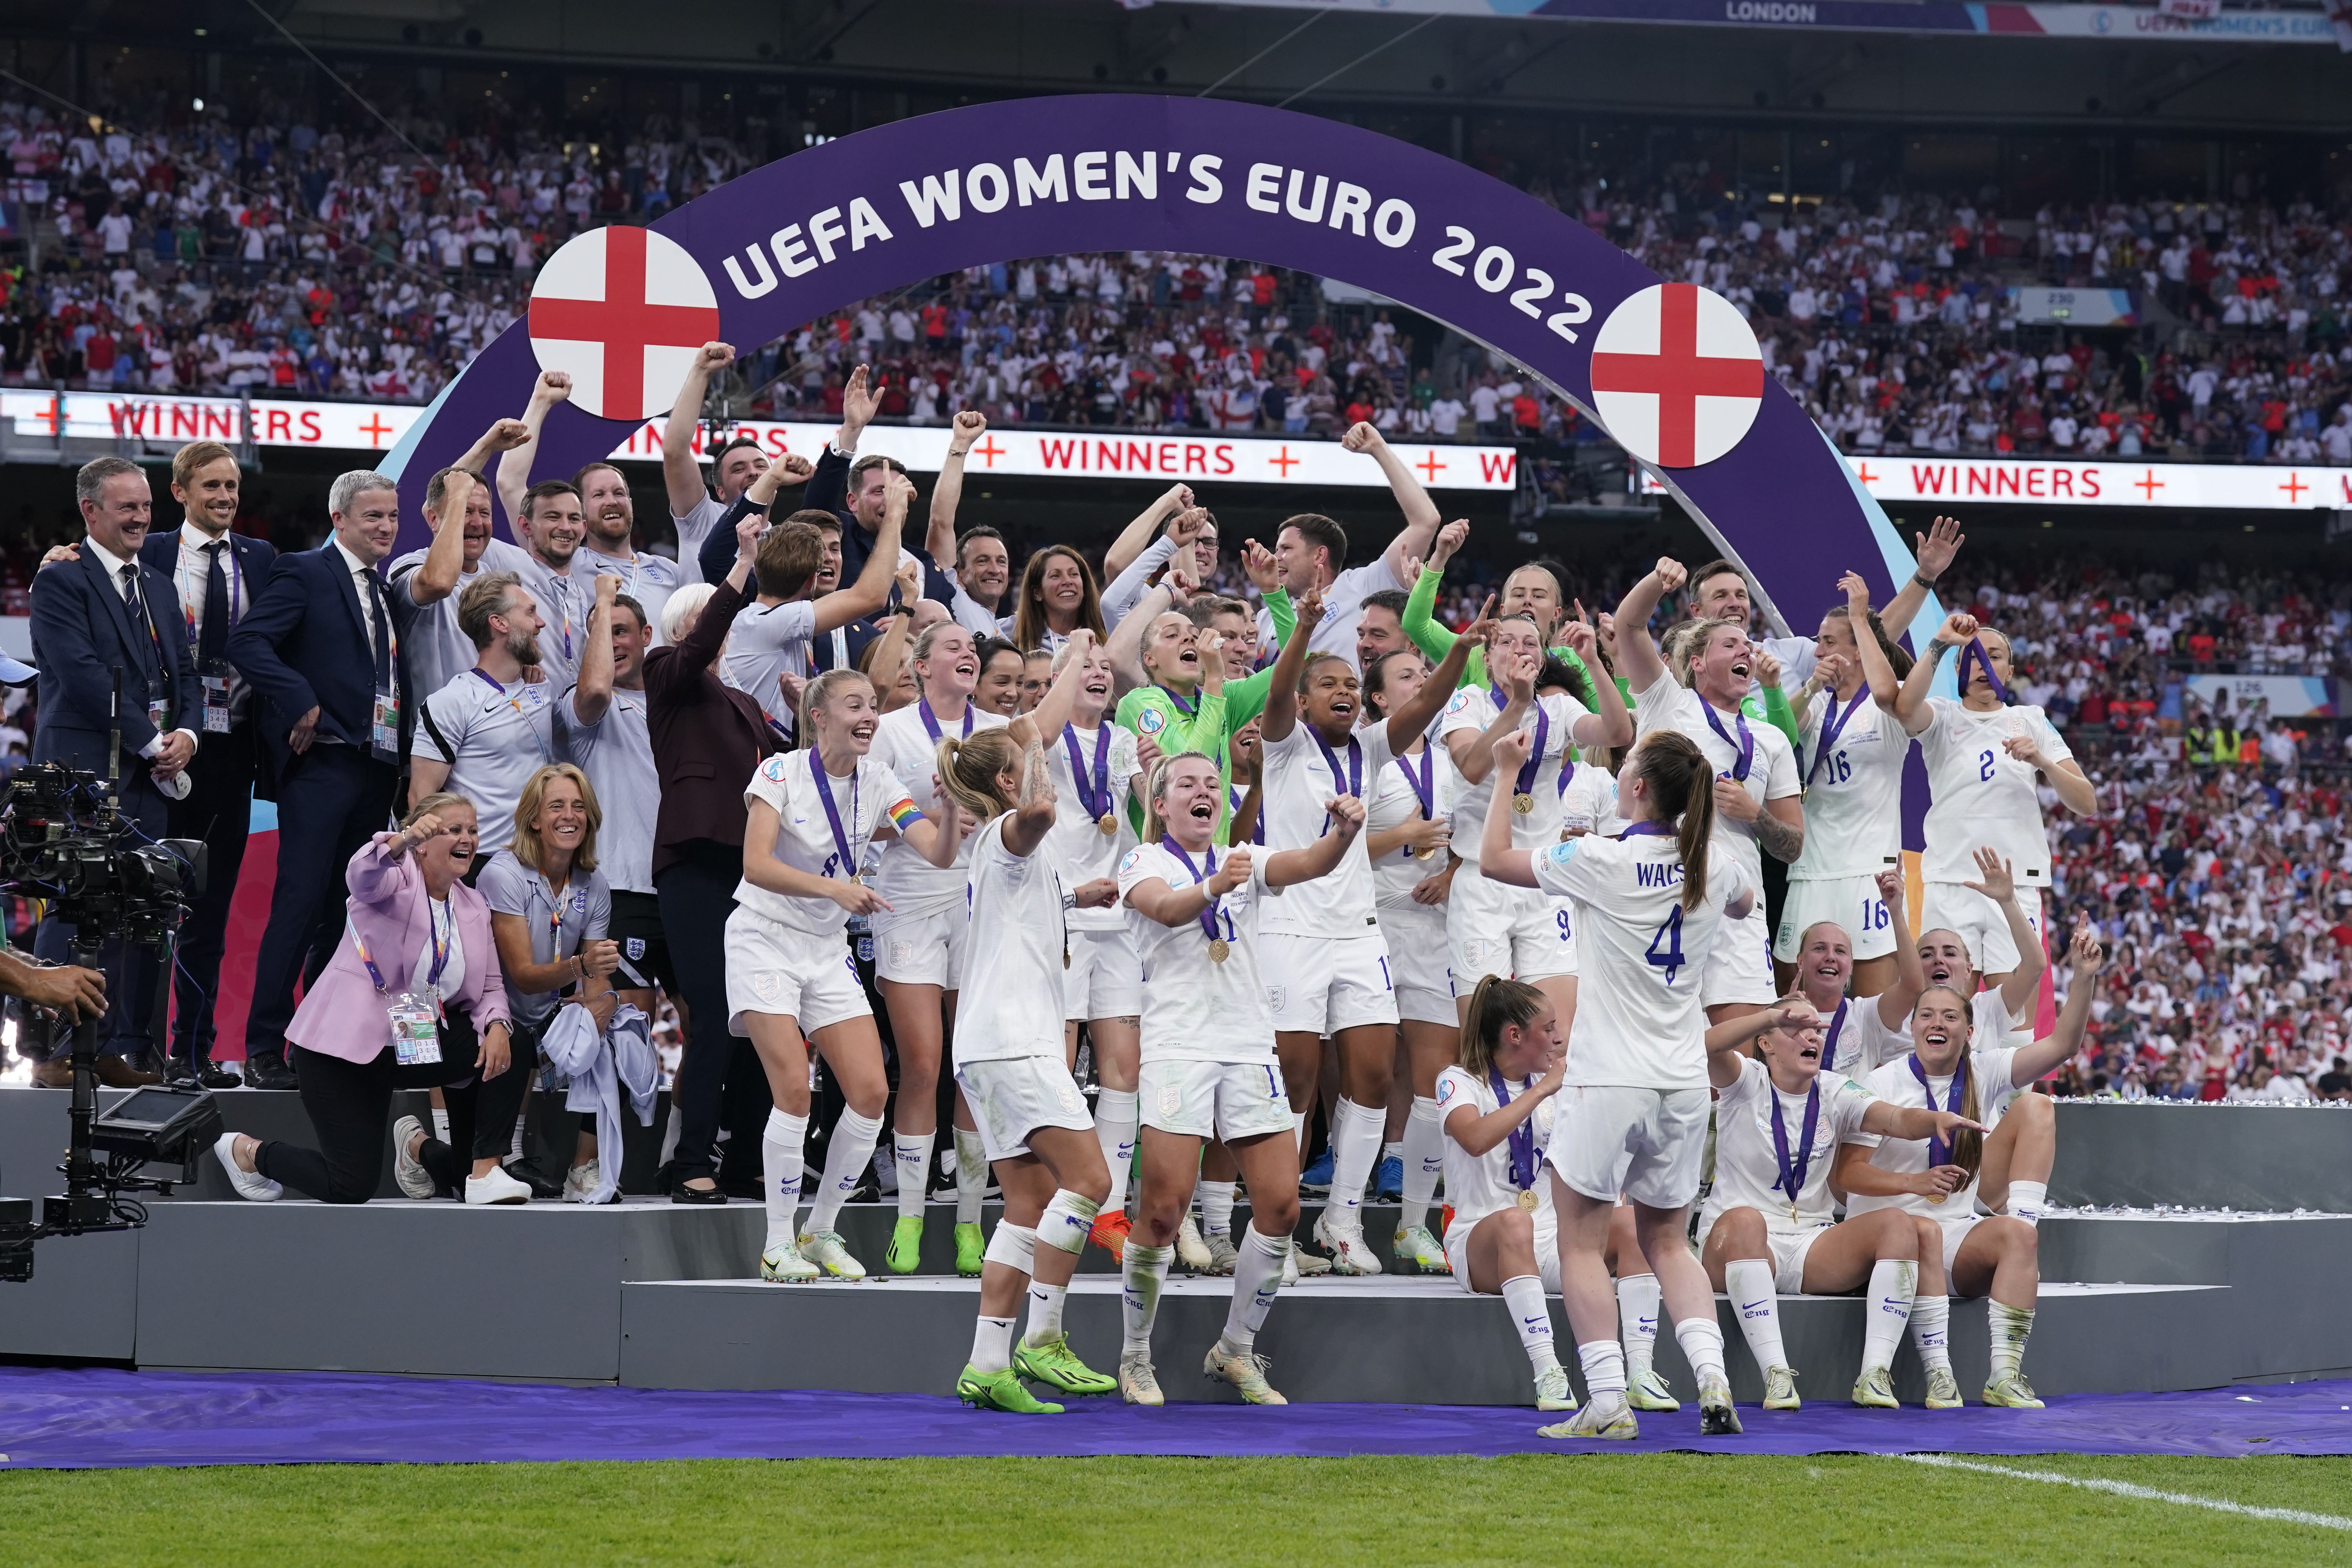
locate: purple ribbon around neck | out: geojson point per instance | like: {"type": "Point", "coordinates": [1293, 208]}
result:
{"type": "Point", "coordinates": [1523, 1137]}
{"type": "Point", "coordinates": [832, 813]}
{"type": "Point", "coordinates": [1094, 785]}
{"type": "Point", "coordinates": [1833, 724]}
{"type": "Point", "coordinates": [1830, 1037]}
{"type": "Point", "coordinates": [1973, 652]}
{"type": "Point", "coordinates": [1647, 830]}
{"type": "Point", "coordinates": [1747, 741]}
{"type": "Point", "coordinates": [1938, 1151]}
{"type": "Point", "coordinates": [1423, 786]}
{"type": "Point", "coordinates": [932, 723]}
{"type": "Point", "coordinates": [1534, 764]}
{"type": "Point", "coordinates": [1792, 1173]}
{"type": "Point", "coordinates": [1208, 869]}
{"type": "Point", "coordinates": [1353, 778]}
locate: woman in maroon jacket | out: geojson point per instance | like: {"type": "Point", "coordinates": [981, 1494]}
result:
{"type": "Point", "coordinates": [707, 740]}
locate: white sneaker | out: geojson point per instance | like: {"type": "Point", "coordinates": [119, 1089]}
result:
{"type": "Point", "coordinates": [582, 1180]}
{"type": "Point", "coordinates": [783, 1264]}
{"type": "Point", "coordinates": [251, 1185]}
{"type": "Point", "coordinates": [497, 1187]}
{"type": "Point", "coordinates": [413, 1179]}
{"type": "Point", "coordinates": [1191, 1250]}
{"type": "Point", "coordinates": [829, 1252]}
{"type": "Point", "coordinates": [1552, 1391]}
{"type": "Point", "coordinates": [1351, 1253]}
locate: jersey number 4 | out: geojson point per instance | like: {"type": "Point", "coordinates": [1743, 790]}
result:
{"type": "Point", "coordinates": [1671, 935]}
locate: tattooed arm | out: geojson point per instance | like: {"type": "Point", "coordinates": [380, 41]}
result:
{"type": "Point", "coordinates": [1781, 829]}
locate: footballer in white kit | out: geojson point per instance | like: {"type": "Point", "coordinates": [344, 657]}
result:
{"type": "Point", "coordinates": [1852, 782]}
{"type": "Point", "coordinates": [1750, 1149]}
{"type": "Point", "coordinates": [1479, 1185]}
{"type": "Point", "coordinates": [1093, 773]}
{"type": "Point", "coordinates": [921, 941]}
{"type": "Point", "coordinates": [1008, 1048]}
{"type": "Point", "coordinates": [1408, 789]}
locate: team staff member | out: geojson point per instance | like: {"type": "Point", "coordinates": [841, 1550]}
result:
{"type": "Point", "coordinates": [1311, 552]}
{"type": "Point", "coordinates": [551, 525]}
{"type": "Point", "coordinates": [426, 584]}
{"type": "Point", "coordinates": [1031, 1119]}
{"type": "Point", "coordinates": [414, 972]}
{"type": "Point", "coordinates": [92, 615]}
{"type": "Point", "coordinates": [1757, 803]}
{"type": "Point", "coordinates": [707, 737]}
{"type": "Point", "coordinates": [1850, 752]}
{"type": "Point", "coordinates": [488, 732]}
{"type": "Point", "coordinates": [696, 507]}
{"type": "Point", "coordinates": [322, 654]}
{"type": "Point", "coordinates": [1988, 1083]}
{"type": "Point", "coordinates": [857, 490]}
{"type": "Point", "coordinates": [616, 753]}
{"type": "Point", "coordinates": [1985, 755]}
{"type": "Point", "coordinates": [1326, 965]}
{"type": "Point", "coordinates": [1209, 1066]}
{"type": "Point", "coordinates": [1648, 906]}
{"type": "Point", "coordinates": [215, 574]}
{"type": "Point", "coordinates": [790, 981]}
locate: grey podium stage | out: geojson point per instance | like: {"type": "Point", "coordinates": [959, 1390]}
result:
{"type": "Point", "coordinates": [647, 1293]}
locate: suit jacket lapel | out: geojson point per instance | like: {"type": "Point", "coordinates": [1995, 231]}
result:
{"type": "Point", "coordinates": [110, 593]}
{"type": "Point", "coordinates": [350, 590]}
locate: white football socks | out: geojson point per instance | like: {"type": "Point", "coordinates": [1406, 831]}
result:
{"type": "Point", "coordinates": [1355, 1149]}
{"type": "Point", "coordinates": [1045, 1311]}
{"type": "Point", "coordinates": [1217, 1208]}
{"type": "Point", "coordinates": [1701, 1344]}
{"type": "Point", "coordinates": [852, 1145]}
{"type": "Point", "coordinates": [914, 1156]}
{"type": "Point", "coordinates": [1424, 1162]}
{"type": "Point", "coordinates": [992, 1345]}
{"type": "Point", "coordinates": [1524, 1295]}
{"type": "Point", "coordinates": [1115, 1130]}
{"type": "Point", "coordinates": [1143, 1272]}
{"type": "Point", "coordinates": [2027, 1200]}
{"type": "Point", "coordinates": [2010, 1325]}
{"type": "Point", "coordinates": [1257, 1274]}
{"type": "Point", "coordinates": [781, 1166]}
{"type": "Point", "coordinates": [971, 1176]}
{"type": "Point", "coordinates": [1749, 1282]}
{"type": "Point", "coordinates": [1931, 1318]}
{"type": "Point", "coordinates": [1604, 1370]}
{"type": "Point", "coordinates": [1894, 1283]}
{"type": "Point", "coordinates": [1637, 1320]}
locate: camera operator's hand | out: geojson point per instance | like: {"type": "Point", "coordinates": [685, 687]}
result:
{"type": "Point", "coordinates": [76, 995]}
{"type": "Point", "coordinates": [173, 752]}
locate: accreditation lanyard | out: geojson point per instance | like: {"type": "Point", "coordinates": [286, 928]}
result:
{"type": "Point", "coordinates": [193, 593]}
{"type": "Point", "coordinates": [514, 702]}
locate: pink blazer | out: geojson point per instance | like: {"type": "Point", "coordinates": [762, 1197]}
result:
{"type": "Point", "coordinates": [342, 1014]}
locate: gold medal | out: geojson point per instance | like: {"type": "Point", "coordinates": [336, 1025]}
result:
{"type": "Point", "coordinates": [1426, 852]}
{"type": "Point", "coordinates": [1107, 824]}
{"type": "Point", "coordinates": [1219, 949]}
{"type": "Point", "coordinates": [1939, 1197]}
{"type": "Point", "coordinates": [1527, 1200]}
{"type": "Point", "coordinates": [1522, 802]}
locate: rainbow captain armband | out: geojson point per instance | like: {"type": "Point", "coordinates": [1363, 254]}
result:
{"type": "Point", "coordinates": [904, 815]}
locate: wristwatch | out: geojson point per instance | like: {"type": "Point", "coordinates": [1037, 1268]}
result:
{"type": "Point", "coordinates": [1924, 582]}
{"type": "Point", "coordinates": [907, 610]}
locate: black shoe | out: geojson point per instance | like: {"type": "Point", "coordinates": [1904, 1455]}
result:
{"type": "Point", "coordinates": [178, 1073]}
{"type": "Point", "coordinates": [529, 1174]}
{"type": "Point", "coordinates": [211, 1076]}
{"type": "Point", "coordinates": [682, 1193]}
{"type": "Point", "coordinates": [747, 1188]}
{"type": "Point", "coordinates": [270, 1072]}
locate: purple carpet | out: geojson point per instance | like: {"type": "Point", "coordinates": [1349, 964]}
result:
{"type": "Point", "coordinates": [76, 1419]}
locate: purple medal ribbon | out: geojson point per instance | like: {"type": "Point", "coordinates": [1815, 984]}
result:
{"type": "Point", "coordinates": [1192, 712]}
{"type": "Point", "coordinates": [1747, 739]}
{"type": "Point", "coordinates": [1833, 725]}
{"type": "Point", "coordinates": [1094, 787]}
{"type": "Point", "coordinates": [832, 813]}
{"type": "Point", "coordinates": [1829, 1040]}
{"type": "Point", "coordinates": [1522, 1137]}
{"type": "Point", "coordinates": [1974, 653]}
{"type": "Point", "coordinates": [1234, 797]}
{"type": "Point", "coordinates": [1208, 869]}
{"type": "Point", "coordinates": [1528, 769]}
{"type": "Point", "coordinates": [1647, 830]}
{"type": "Point", "coordinates": [923, 705]}
{"type": "Point", "coordinates": [1425, 787]}
{"type": "Point", "coordinates": [1793, 1177]}
{"type": "Point", "coordinates": [1938, 1151]}
{"type": "Point", "coordinates": [1353, 778]}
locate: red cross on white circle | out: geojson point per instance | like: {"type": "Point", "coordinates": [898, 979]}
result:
{"type": "Point", "coordinates": [623, 310]}
{"type": "Point", "coordinates": [1677, 375]}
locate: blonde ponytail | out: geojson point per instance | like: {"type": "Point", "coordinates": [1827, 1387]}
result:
{"type": "Point", "coordinates": [969, 768]}
{"type": "Point", "coordinates": [1498, 1003]}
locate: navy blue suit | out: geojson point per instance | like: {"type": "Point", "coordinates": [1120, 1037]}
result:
{"type": "Point", "coordinates": [828, 490]}
{"type": "Point", "coordinates": [219, 805]}
{"type": "Point", "coordinates": [84, 629]}
{"type": "Point", "coordinates": [303, 645]}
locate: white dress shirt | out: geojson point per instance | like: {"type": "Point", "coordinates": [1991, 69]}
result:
{"type": "Point", "coordinates": [115, 566]}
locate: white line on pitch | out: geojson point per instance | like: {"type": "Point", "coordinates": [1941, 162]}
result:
{"type": "Point", "coordinates": [2127, 1488]}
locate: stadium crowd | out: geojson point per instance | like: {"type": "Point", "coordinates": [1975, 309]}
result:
{"type": "Point", "coordinates": [281, 260]}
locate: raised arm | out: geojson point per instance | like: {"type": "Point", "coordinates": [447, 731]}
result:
{"type": "Point", "coordinates": [1998, 883]}
{"type": "Point", "coordinates": [1497, 860]}
{"type": "Point", "coordinates": [889, 651]}
{"type": "Point", "coordinates": [1420, 621]}
{"type": "Point", "coordinates": [1910, 974]}
{"type": "Point", "coordinates": [1033, 814]}
{"type": "Point", "coordinates": [1136, 535]}
{"type": "Point", "coordinates": [1935, 548]}
{"type": "Point", "coordinates": [553, 387]}
{"type": "Point", "coordinates": [1414, 717]}
{"type": "Point", "coordinates": [1052, 710]}
{"type": "Point", "coordinates": [1421, 518]}
{"type": "Point", "coordinates": [1637, 655]}
{"type": "Point", "coordinates": [1611, 723]}
{"type": "Point", "coordinates": [2084, 959]}
{"type": "Point", "coordinates": [1126, 643]}
{"type": "Point", "coordinates": [1726, 1040]}
{"type": "Point", "coordinates": [871, 589]}
{"type": "Point", "coordinates": [594, 694]}
{"type": "Point", "coordinates": [947, 491]}
{"type": "Point", "coordinates": [1876, 671]}
{"type": "Point", "coordinates": [698, 649]}
{"type": "Point", "coordinates": [1474, 756]}
{"type": "Point", "coordinates": [1911, 703]}
{"type": "Point", "coordinates": [681, 474]}
{"type": "Point", "coordinates": [437, 575]}
{"type": "Point", "coordinates": [1288, 867]}
{"type": "Point", "coordinates": [1281, 679]}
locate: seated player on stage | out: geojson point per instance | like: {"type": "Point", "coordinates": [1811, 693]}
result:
{"type": "Point", "coordinates": [1768, 1226]}
{"type": "Point", "coordinates": [1994, 1253]}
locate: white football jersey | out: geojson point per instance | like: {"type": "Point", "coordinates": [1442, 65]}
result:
{"type": "Point", "coordinates": [1771, 765]}
{"type": "Point", "coordinates": [910, 884]}
{"type": "Point", "coordinates": [1980, 795]}
{"type": "Point", "coordinates": [1852, 778]}
{"type": "Point", "coordinates": [1021, 943]}
{"type": "Point", "coordinates": [1195, 1008]}
{"type": "Point", "coordinates": [1300, 775]}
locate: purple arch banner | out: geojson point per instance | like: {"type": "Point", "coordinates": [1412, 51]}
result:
{"type": "Point", "coordinates": [884, 208]}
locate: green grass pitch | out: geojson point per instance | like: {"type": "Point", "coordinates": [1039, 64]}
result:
{"type": "Point", "coordinates": [1537, 1509]}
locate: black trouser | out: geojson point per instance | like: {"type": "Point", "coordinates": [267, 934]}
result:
{"type": "Point", "coordinates": [219, 811]}
{"type": "Point", "coordinates": [698, 894]}
{"type": "Point", "coordinates": [350, 1106]}
{"type": "Point", "coordinates": [332, 799]}
{"type": "Point", "coordinates": [482, 1111]}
